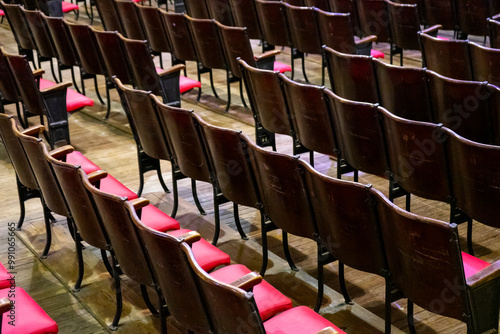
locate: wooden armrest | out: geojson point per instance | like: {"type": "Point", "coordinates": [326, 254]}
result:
{"type": "Point", "coordinates": [248, 281]}
{"type": "Point", "coordinates": [59, 86]}
{"type": "Point", "coordinates": [173, 69]}
{"type": "Point", "coordinates": [267, 54]}
{"type": "Point", "coordinates": [61, 151]}
{"type": "Point", "coordinates": [34, 130]}
{"type": "Point", "coordinates": [484, 276]}
{"type": "Point", "coordinates": [495, 17]}
{"type": "Point", "coordinates": [97, 176]}
{"type": "Point", "coordinates": [432, 30]}
{"type": "Point", "coordinates": [5, 305]}
{"type": "Point", "coordinates": [371, 38]}
{"type": "Point", "coordinates": [38, 73]}
{"type": "Point", "coordinates": [327, 330]}
{"type": "Point", "coordinates": [139, 203]}
{"type": "Point", "coordinates": [190, 237]}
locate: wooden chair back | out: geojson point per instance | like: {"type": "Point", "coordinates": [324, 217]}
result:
{"type": "Point", "coordinates": [131, 22]}
{"type": "Point", "coordinates": [109, 15]}
{"type": "Point", "coordinates": [208, 43]}
{"type": "Point", "coordinates": [87, 48]}
{"type": "Point", "coordinates": [114, 56]}
{"type": "Point", "coordinates": [273, 22]}
{"type": "Point", "coordinates": [304, 31]}
{"type": "Point", "coordinates": [181, 40]}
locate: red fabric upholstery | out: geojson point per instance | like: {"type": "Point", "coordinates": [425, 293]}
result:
{"type": "Point", "coordinates": [74, 100]}
{"type": "Point", "coordinates": [2, 13]}
{"type": "Point", "coordinates": [186, 84]}
{"type": "Point", "coordinates": [377, 54]}
{"type": "Point", "coordinates": [269, 300]}
{"type": "Point", "coordinates": [68, 6]}
{"type": "Point", "coordinates": [138, 0]}
{"type": "Point", "coordinates": [158, 220]}
{"type": "Point", "coordinates": [299, 320]}
{"type": "Point", "coordinates": [30, 318]}
{"type": "Point", "coordinates": [207, 255]}
{"type": "Point", "coordinates": [78, 159]}
{"type": "Point", "coordinates": [5, 277]}
{"type": "Point", "coordinates": [443, 38]}
{"type": "Point", "coordinates": [111, 185]}
{"type": "Point", "coordinates": [282, 68]}
{"type": "Point", "coordinates": [472, 264]}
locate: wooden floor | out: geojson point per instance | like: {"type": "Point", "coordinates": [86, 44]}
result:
{"type": "Point", "coordinates": [110, 145]}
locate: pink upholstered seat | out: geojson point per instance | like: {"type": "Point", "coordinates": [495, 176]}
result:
{"type": "Point", "coordinates": [68, 6]}
{"type": "Point", "coordinates": [299, 320]}
{"type": "Point", "coordinates": [30, 318]}
{"type": "Point", "coordinates": [186, 84]}
{"type": "Point", "coordinates": [5, 277]}
{"type": "Point", "coordinates": [74, 100]}
{"type": "Point", "coordinates": [377, 54]}
{"type": "Point", "coordinates": [78, 159]}
{"type": "Point", "coordinates": [111, 185]}
{"type": "Point", "coordinates": [2, 13]}
{"type": "Point", "coordinates": [472, 264]}
{"type": "Point", "coordinates": [158, 220]}
{"type": "Point", "coordinates": [282, 68]}
{"type": "Point", "coordinates": [207, 255]}
{"type": "Point", "coordinates": [269, 300]}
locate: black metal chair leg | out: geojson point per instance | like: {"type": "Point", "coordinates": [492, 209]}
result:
{"type": "Point", "coordinates": [105, 260]}
{"type": "Point", "coordinates": [217, 218]}
{"type": "Point", "coordinates": [241, 94]}
{"type": "Point", "coordinates": [311, 158]}
{"type": "Point", "coordinates": [342, 284]}
{"type": "Point", "coordinates": [409, 317]}
{"type": "Point", "coordinates": [53, 71]}
{"type": "Point", "coordinates": [304, 68]}
{"type": "Point", "coordinates": [162, 182]}
{"type": "Point", "coordinates": [265, 255]}
{"type": "Point", "coordinates": [199, 80]}
{"type": "Point", "coordinates": [73, 79]}
{"type": "Point", "coordinates": [141, 183]}
{"type": "Point", "coordinates": [408, 202]}
{"type": "Point", "coordinates": [293, 63]}
{"type": "Point", "coordinates": [176, 192]}
{"type": "Point", "coordinates": [323, 65]}
{"type": "Point", "coordinates": [96, 86]}
{"type": "Point", "coordinates": [19, 116]}
{"type": "Point", "coordinates": [228, 91]}
{"type": "Point", "coordinates": [118, 293]}
{"type": "Point", "coordinates": [145, 296]}
{"type": "Point", "coordinates": [238, 223]}
{"type": "Point", "coordinates": [163, 313]}
{"type": "Point", "coordinates": [287, 252]}
{"type": "Point", "coordinates": [82, 81]}
{"type": "Point", "coordinates": [195, 197]}
{"type": "Point", "coordinates": [79, 254]}
{"type": "Point", "coordinates": [48, 228]}
{"type": "Point", "coordinates": [212, 84]}
{"type": "Point", "coordinates": [401, 58]}
{"type": "Point", "coordinates": [470, 248]}
{"type": "Point", "coordinates": [108, 100]}
{"type": "Point", "coordinates": [387, 306]}
{"type": "Point", "coordinates": [21, 194]}
{"type": "Point", "coordinates": [319, 298]}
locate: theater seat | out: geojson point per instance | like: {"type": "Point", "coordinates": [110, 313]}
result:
{"type": "Point", "coordinates": [300, 320]}
{"type": "Point", "coordinates": [186, 84]}
{"type": "Point", "coordinates": [68, 7]}
{"type": "Point", "coordinates": [78, 159]}
{"type": "Point", "coordinates": [158, 220]}
{"type": "Point", "coordinates": [5, 277]}
{"type": "Point", "coordinates": [30, 318]}
{"type": "Point", "coordinates": [281, 67]}
{"type": "Point", "coordinates": [377, 54]}
{"type": "Point", "coordinates": [111, 185]}
{"type": "Point", "coordinates": [472, 264]}
{"type": "Point", "coordinates": [74, 100]}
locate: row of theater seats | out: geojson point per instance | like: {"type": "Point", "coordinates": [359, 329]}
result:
{"type": "Point", "coordinates": [275, 183]}
{"type": "Point", "coordinates": [103, 217]}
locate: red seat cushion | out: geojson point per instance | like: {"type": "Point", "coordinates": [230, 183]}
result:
{"type": "Point", "coordinates": [2, 13]}
{"type": "Point", "coordinates": [74, 100]}
{"type": "Point", "coordinates": [443, 38]}
{"type": "Point", "coordinates": [207, 255]}
{"type": "Point", "coordinates": [377, 54]}
{"type": "Point", "coordinates": [5, 277]}
{"type": "Point", "coordinates": [472, 264]}
{"type": "Point", "coordinates": [268, 299]}
{"type": "Point", "coordinates": [158, 220]}
{"type": "Point", "coordinates": [78, 159]}
{"type": "Point", "coordinates": [186, 84]}
{"type": "Point", "coordinates": [299, 320]}
{"type": "Point", "coordinates": [282, 68]}
{"type": "Point", "coordinates": [30, 318]}
{"type": "Point", "coordinates": [111, 185]}
{"type": "Point", "coordinates": [68, 6]}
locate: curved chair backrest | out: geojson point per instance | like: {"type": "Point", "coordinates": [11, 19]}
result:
{"type": "Point", "coordinates": [229, 158]}
{"type": "Point", "coordinates": [33, 147]}
{"type": "Point", "coordinates": [403, 91]}
{"type": "Point", "coordinates": [109, 16]}
{"type": "Point", "coordinates": [208, 43]}
{"type": "Point", "coordinates": [28, 88]}
{"type": "Point", "coordinates": [187, 144]}
{"type": "Point", "coordinates": [449, 58]}
{"type": "Point", "coordinates": [267, 98]}
{"type": "Point", "coordinates": [424, 258]}
{"type": "Point", "coordinates": [320, 4]}
{"type": "Point", "coordinates": [19, 26]}
{"type": "Point", "coordinates": [220, 10]}
{"type": "Point", "coordinates": [310, 116]}
{"type": "Point", "coordinates": [15, 152]}
{"type": "Point", "coordinates": [79, 202]}
{"type": "Point", "coordinates": [121, 232]}
{"type": "Point", "coordinates": [417, 156]}
{"type": "Point", "coordinates": [146, 122]}
{"type": "Point", "coordinates": [440, 12]}
{"type": "Point", "coordinates": [87, 48]}
{"type": "Point", "coordinates": [174, 274]}
{"type": "Point", "coordinates": [236, 45]}
{"type": "Point", "coordinates": [359, 134]}
{"type": "Point", "coordinates": [336, 31]}
{"type": "Point", "coordinates": [63, 40]}
{"type": "Point", "coordinates": [273, 22]}
{"type": "Point", "coordinates": [462, 106]}
{"type": "Point", "coordinates": [282, 191]}
{"type": "Point", "coordinates": [304, 31]}
{"type": "Point", "coordinates": [484, 63]}
{"type": "Point", "coordinates": [245, 15]}
{"type": "Point", "coordinates": [472, 15]}
{"type": "Point", "coordinates": [197, 9]}
{"type": "Point", "coordinates": [40, 32]}
{"type": "Point", "coordinates": [8, 86]}
{"type": "Point", "coordinates": [177, 27]}
{"type": "Point", "coordinates": [494, 27]}
{"type": "Point", "coordinates": [474, 169]}
{"type": "Point", "coordinates": [348, 6]}
{"type": "Point", "coordinates": [373, 19]}
{"type": "Point", "coordinates": [131, 22]}
{"type": "Point", "coordinates": [352, 76]}
{"type": "Point", "coordinates": [347, 224]}
{"type": "Point", "coordinates": [405, 25]}
{"type": "Point", "coordinates": [114, 56]}
{"type": "Point", "coordinates": [154, 29]}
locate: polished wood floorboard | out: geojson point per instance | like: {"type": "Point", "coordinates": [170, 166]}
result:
{"type": "Point", "coordinates": [110, 145]}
